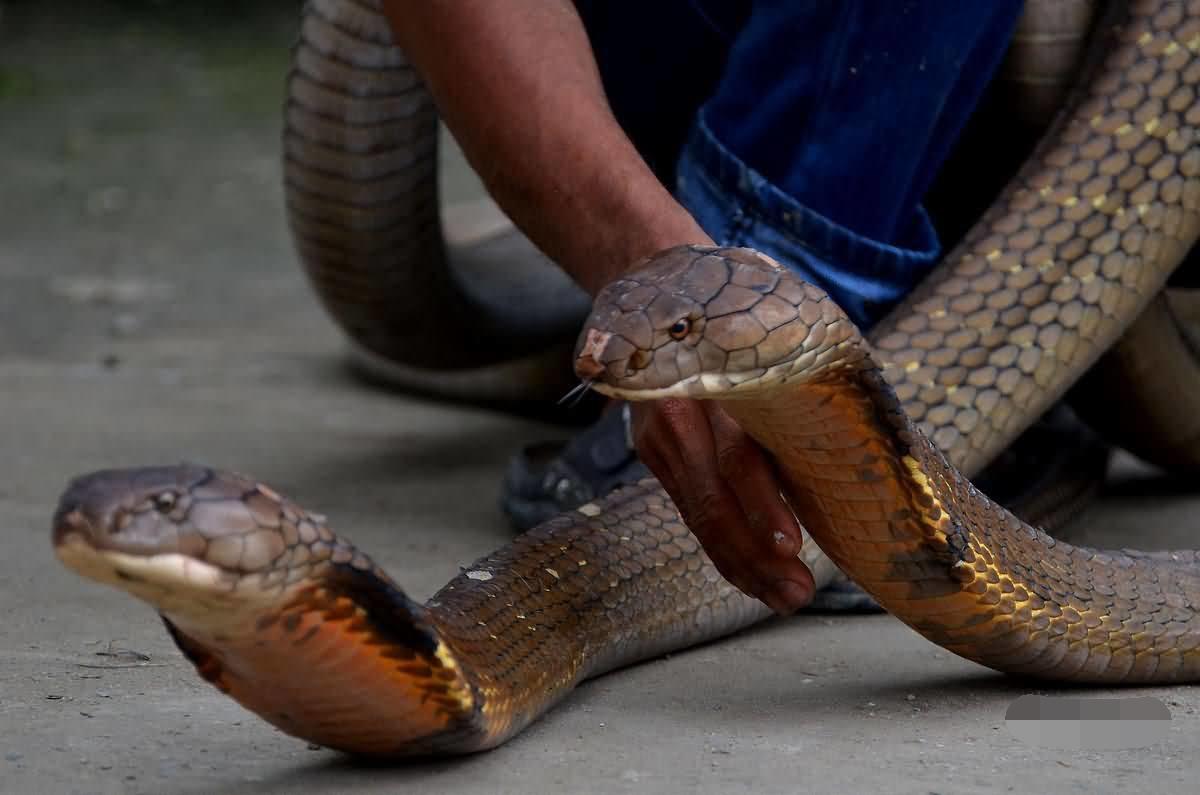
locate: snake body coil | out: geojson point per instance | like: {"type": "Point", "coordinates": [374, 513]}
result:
{"type": "Point", "coordinates": [360, 169]}
{"type": "Point", "coordinates": [302, 628]}
{"type": "Point", "coordinates": [491, 320]}
{"type": "Point", "coordinates": [873, 491]}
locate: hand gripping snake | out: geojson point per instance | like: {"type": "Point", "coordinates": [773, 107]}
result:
{"type": "Point", "coordinates": [297, 625]}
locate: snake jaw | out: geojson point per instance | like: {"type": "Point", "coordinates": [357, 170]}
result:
{"type": "Point", "coordinates": [807, 367]}
{"type": "Point", "coordinates": [698, 386]}
{"type": "Point", "coordinates": [174, 584]}
{"type": "Point", "coordinates": [191, 592]}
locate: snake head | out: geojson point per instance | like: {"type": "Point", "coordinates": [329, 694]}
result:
{"type": "Point", "coordinates": [696, 321]}
{"type": "Point", "coordinates": [134, 511]}
{"type": "Point", "coordinates": [182, 535]}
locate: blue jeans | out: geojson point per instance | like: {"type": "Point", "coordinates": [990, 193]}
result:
{"type": "Point", "coordinates": [807, 129]}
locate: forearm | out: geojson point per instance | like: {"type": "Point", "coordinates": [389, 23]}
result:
{"type": "Point", "coordinates": [518, 86]}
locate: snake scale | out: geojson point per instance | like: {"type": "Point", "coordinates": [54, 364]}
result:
{"type": "Point", "coordinates": [301, 627]}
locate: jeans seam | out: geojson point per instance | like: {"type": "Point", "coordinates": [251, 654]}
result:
{"type": "Point", "coordinates": [750, 211]}
{"type": "Point", "coordinates": [733, 224]}
{"type": "Point", "coordinates": [747, 201]}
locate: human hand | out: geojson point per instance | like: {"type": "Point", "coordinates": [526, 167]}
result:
{"type": "Point", "coordinates": [728, 493]}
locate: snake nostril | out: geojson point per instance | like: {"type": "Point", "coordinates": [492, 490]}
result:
{"type": "Point", "coordinates": [71, 522]}
{"type": "Point", "coordinates": [587, 367]}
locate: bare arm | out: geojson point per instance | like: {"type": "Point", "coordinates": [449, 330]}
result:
{"type": "Point", "coordinates": [518, 85]}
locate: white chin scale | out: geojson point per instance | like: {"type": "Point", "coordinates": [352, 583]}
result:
{"type": "Point", "coordinates": [803, 368]}
{"type": "Point", "coordinates": [171, 582]}
{"type": "Point", "coordinates": [717, 386]}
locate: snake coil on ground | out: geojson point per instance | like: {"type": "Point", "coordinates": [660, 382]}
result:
{"type": "Point", "coordinates": [304, 629]}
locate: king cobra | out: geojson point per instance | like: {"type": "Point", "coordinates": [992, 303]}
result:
{"type": "Point", "coordinates": [302, 628]}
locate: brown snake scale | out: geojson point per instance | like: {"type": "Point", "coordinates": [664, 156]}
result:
{"type": "Point", "coordinates": [299, 626]}
{"type": "Point", "coordinates": [877, 496]}
{"type": "Point", "coordinates": [1080, 241]}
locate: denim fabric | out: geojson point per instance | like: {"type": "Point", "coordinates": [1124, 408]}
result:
{"type": "Point", "coordinates": [850, 107]}
{"type": "Point", "coordinates": [737, 206]}
{"type": "Point", "coordinates": [808, 129]}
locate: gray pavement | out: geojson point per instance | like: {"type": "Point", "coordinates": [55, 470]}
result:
{"type": "Point", "coordinates": [151, 311]}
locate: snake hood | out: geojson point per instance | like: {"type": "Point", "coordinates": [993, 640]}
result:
{"type": "Point", "coordinates": [703, 319]}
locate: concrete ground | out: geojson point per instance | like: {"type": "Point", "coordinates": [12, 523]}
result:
{"type": "Point", "coordinates": [152, 311]}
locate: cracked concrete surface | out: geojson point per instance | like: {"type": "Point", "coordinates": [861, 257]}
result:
{"type": "Point", "coordinates": [151, 311]}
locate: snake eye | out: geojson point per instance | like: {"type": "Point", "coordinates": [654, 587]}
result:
{"type": "Point", "coordinates": [680, 329]}
{"type": "Point", "coordinates": [165, 501]}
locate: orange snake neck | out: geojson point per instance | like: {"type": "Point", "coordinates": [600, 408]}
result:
{"type": "Point", "coordinates": [854, 463]}
{"type": "Point", "coordinates": [348, 661]}
{"type": "Point", "coordinates": [884, 504]}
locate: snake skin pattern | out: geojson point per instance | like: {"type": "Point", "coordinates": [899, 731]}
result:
{"type": "Point", "coordinates": [303, 629]}
{"type": "Point", "coordinates": [1045, 54]}
{"type": "Point", "coordinates": [872, 490]}
{"type": "Point", "coordinates": [300, 627]}
{"type": "Point", "coordinates": [1070, 253]}
{"type": "Point", "coordinates": [360, 169]}
{"type": "Point", "coordinates": [491, 321]}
